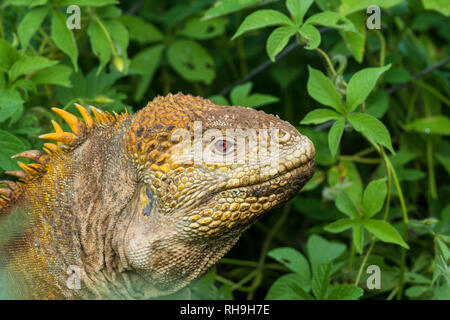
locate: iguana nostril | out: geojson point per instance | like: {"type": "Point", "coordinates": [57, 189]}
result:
{"type": "Point", "coordinates": [284, 136]}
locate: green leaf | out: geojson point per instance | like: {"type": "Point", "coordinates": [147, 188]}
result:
{"type": "Point", "coordinates": [345, 292]}
{"type": "Point", "coordinates": [352, 181]}
{"type": "Point", "coordinates": [92, 3]}
{"type": "Point", "coordinates": [293, 260]}
{"type": "Point", "coordinates": [358, 237]}
{"type": "Point", "coordinates": [10, 101]}
{"type": "Point", "coordinates": [397, 75]}
{"type": "Point", "coordinates": [321, 250]}
{"type": "Point", "coordinates": [320, 141]}
{"type": "Point", "coordinates": [331, 19]}
{"type": "Point", "coordinates": [384, 231]}
{"type": "Point", "coordinates": [416, 291]}
{"type": "Point", "coordinates": [26, 85]}
{"type": "Point", "coordinates": [339, 225]}
{"type": "Point", "coordinates": [30, 24]}
{"type": "Point", "coordinates": [278, 39]}
{"type": "Point", "coordinates": [56, 75]}
{"type": "Point", "coordinates": [63, 37]}
{"type": "Point", "coordinates": [220, 100]}
{"type": "Point", "coordinates": [9, 146]}
{"type": "Point", "coordinates": [200, 29]}
{"type": "Point", "coordinates": [346, 205]}
{"type": "Point", "coordinates": [311, 34]}
{"type": "Point", "coordinates": [141, 30]}
{"type": "Point", "coordinates": [355, 41]}
{"type": "Point", "coordinates": [377, 103]}
{"type": "Point", "coordinates": [298, 8]}
{"type": "Point", "coordinates": [27, 65]}
{"type": "Point", "coordinates": [321, 88]}
{"type": "Point", "coordinates": [256, 100]}
{"type": "Point", "coordinates": [261, 19]}
{"type": "Point", "coordinates": [119, 35]}
{"type": "Point", "coordinates": [349, 6]}
{"type": "Point", "coordinates": [444, 161]}
{"type": "Point", "coordinates": [372, 127]}
{"type": "Point", "coordinates": [29, 3]}
{"type": "Point", "coordinates": [288, 287]}
{"type": "Point", "coordinates": [417, 278]}
{"type": "Point", "coordinates": [146, 61]}
{"type": "Point", "coordinates": [321, 280]}
{"type": "Point", "coordinates": [441, 6]}
{"type": "Point", "coordinates": [223, 7]}
{"type": "Point", "coordinates": [335, 135]}
{"type": "Point", "coordinates": [240, 93]}
{"type": "Point", "coordinates": [109, 12]}
{"type": "Point", "coordinates": [361, 84]}
{"type": "Point", "coordinates": [240, 96]}
{"type": "Point", "coordinates": [191, 61]}
{"type": "Point", "coordinates": [99, 43]}
{"type": "Point", "coordinates": [373, 198]}
{"type": "Point", "coordinates": [319, 116]}
{"type": "Point", "coordinates": [328, 4]}
{"type": "Point", "coordinates": [439, 125]}
{"type": "Point", "coordinates": [8, 55]}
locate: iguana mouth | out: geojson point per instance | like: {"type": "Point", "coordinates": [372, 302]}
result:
{"type": "Point", "coordinates": [289, 180]}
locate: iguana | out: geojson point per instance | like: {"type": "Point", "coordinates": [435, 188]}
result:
{"type": "Point", "coordinates": [124, 207]}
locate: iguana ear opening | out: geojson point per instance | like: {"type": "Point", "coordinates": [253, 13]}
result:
{"type": "Point", "coordinates": [148, 202]}
{"type": "Point", "coordinates": [143, 228]}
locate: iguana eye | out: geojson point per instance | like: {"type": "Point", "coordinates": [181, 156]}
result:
{"type": "Point", "coordinates": [224, 146]}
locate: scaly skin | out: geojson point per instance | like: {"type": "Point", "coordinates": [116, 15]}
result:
{"type": "Point", "coordinates": [119, 204]}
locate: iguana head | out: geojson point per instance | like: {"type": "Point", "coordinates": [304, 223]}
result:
{"type": "Point", "coordinates": [205, 174]}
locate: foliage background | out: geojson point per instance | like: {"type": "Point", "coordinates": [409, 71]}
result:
{"type": "Point", "coordinates": [320, 244]}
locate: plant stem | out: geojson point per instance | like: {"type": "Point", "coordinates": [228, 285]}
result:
{"type": "Point", "coordinates": [389, 185]}
{"type": "Point", "coordinates": [239, 285]}
{"type": "Point", "coordinates": [392, 294]}
{"type": "Point", "coordinates": [433, 92]}
{"type": "Point", "coordinates": [2, 34]}
{"type": "Point", "coordinates": [360, 159]}
{"type": "Point", "coordinates": [105, 31]}
{"type": "Point", "coordinates": [327, 60]}
{"type": "Point", "coordinates": [430, 162]}
{"type": "Point", "coordinates": [364, 152]}
{"type": "Point", "coordinates": [382, 47]}
{"type": "Point", "coordinates": [404, 212]}
{"type": "Point", "coordinates": [241, 54]}
{"type": "Point", "coordinates": [266, 245]}
{"type": "Point", "coordinates": [252, 264]}
{"type": "Point", "coordinates": [363, 263]}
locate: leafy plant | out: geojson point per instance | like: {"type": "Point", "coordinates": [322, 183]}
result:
{"type": "Point", "coordinates": [297, 285]}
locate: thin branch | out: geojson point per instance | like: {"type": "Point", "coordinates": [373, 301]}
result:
{"type": "Point", "coordinates": [266, 64]}
{"type": "Point", "coordinates": [136, 7]}
{"type": "Point", "coordinates": [420, 74]}
{"type": "Point", "coordinates": [260, 68]}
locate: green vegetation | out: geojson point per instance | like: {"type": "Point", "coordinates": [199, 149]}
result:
{"type": "Point", "coordinates": [375, 102]}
